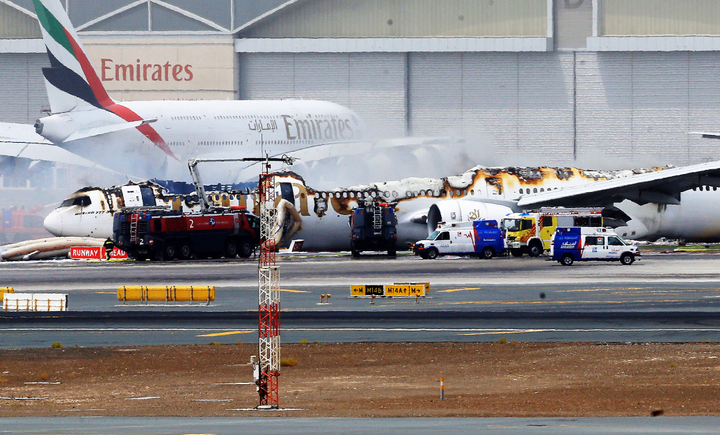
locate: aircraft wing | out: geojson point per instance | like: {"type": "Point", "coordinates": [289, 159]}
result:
{"type": "Point", "coordinates": [21, 141]}
{"type": "Point", "coordinates": [661, 186]}
{"type": "Point", "coordinates": [706, 134]}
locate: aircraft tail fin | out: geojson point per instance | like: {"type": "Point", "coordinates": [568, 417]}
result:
{"type": "Point", "coordinates": [71, 81]}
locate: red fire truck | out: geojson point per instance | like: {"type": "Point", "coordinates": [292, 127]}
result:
{"type": "Point", "coordinates": [162, 234]}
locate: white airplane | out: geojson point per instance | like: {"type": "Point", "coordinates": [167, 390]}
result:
{"type": "Point", "coordinates": [155, 138]}
{"type": "Point", "coordinates": [649, 200]}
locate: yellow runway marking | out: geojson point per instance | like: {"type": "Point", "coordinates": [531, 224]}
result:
{"type": "Point", "coordinates": [220, 334]}
{"type": "Point", "coordinates": [293, 291]}
{"type": "Point", "coordinates": [459, 289]}
{"type": "Point", "coordinates": [505, 332]}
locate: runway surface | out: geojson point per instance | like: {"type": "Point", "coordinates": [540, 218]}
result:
{"type": "Point", "coordinates": [320, 426]}
{"type": "Point", "coordinates": [664, 297]}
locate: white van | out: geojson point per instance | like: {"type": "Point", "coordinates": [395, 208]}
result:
{"type": "Point", "coordinates": [570, 244]}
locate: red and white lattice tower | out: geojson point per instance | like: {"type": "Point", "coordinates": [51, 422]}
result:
{"type": "Point", "coordinates": [268, 298]}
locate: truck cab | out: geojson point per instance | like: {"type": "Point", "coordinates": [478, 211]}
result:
{"type": "Point", "coordinates": [570, 244]}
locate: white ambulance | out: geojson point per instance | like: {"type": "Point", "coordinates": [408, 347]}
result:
{"type": "Point", "coordinates": [570, 244]}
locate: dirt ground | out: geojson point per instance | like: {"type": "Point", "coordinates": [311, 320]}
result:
{"type": "Point", "coordinates": [368, 380]}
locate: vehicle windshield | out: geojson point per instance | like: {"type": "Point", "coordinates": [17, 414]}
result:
{"type": "Point", "coordinates": [434, 235]}
{"type": "Point", "coordinates": [511, 224]}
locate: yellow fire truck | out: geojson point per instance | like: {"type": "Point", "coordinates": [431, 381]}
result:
{"type": "Point", "coordinates": [531, 232]}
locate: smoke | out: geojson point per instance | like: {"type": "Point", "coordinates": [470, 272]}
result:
{"type": "Point", "coordinates": [385, 159]}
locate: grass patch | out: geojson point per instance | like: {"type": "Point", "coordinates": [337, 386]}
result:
{"type": "Point", "coordinates": [56, 345]}
{"type": "Point", "coordinates": [288, 362]}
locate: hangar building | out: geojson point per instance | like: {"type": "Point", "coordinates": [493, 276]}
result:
{"type": "Point", "coordinates": [556, 82]}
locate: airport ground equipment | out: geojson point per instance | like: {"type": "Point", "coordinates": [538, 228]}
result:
{"type": "Point", "coordinates": [531, 232]}
{"type": "Point", "coordinates": [398, 289]}
{"type": "Point", "coordinates": [374, 228]}
{"type": "Point", "coordinates": [480, 238]}
{"type": "Point", "coordinates": [35, 302]}
{"type": "Point", "coordinates": [163, 234]}
{"type": "Point", "coordinates": [170, 293]}
{"type": "Point", "coordinates": [591, 244]}
{"type": "Point", "coordinates": [4, 290]}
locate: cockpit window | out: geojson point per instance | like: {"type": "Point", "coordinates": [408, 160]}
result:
{"type": "Point", "coordinates": [148, 197]}
{"type": "Point", "coordinates": [82, 201]}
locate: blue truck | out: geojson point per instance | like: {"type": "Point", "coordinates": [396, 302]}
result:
{"type": "Point", "coordinates": [482, 238]}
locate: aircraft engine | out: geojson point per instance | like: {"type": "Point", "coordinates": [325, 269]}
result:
{"type": "Point", "coordinates": [463, 210]}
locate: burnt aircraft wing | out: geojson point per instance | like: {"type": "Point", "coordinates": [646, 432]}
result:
{"type": "Point", "coordinates": [21, 141]}
{"type": "Point", "coordinates": [661, 186]}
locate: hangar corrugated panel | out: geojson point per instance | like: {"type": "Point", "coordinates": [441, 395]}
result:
{"type": "Point", "coordinates": [17, 25]}
{"type": "Point", "coordinates": [523, 101]}
{"type": "Point", "coordinates": [372, 84]}
{"type": "Point", "coordinates": [638, 106]}
{"type": "Point", "coordinates": [22, 89]}
{"type": "Point", "coordinates": [405, 18]}
{"type": "Point", "coordinates": [660, 17]}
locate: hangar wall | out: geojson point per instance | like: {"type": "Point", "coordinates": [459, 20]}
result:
{"type": "Point", "coordinates": [556, 108]}
{"type": "Point", "coordinates": [22, 90]}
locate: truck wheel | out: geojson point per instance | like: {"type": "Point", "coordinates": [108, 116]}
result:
{"type": "Point", "coordinates": [169, 252]}
{"type": "Point", "coordinates": [535, 249]}
{"type": "Point", "coordinates": [431, 253]}
{"type": "Point", "coordinates": [246, 249]}
{"type": "Point", "coordinates": [516, 252]}
{"type": "Point", "coordinates": [185, 251]}
{"type": "Point", "coordinates": [567, 260]}
{"type": "Point", "coordinates": [627, 259]}
{"type": "Point", "coordinates": [391, 253]}
{"type": "Point", "coordinates": [355, 254]}
{"type": "Point", "coordinates": [231, 249]}
{"type": "Point", "coordinates": [487, 253]}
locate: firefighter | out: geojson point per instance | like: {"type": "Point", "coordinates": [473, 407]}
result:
{"type": "Point", "coordinates": [109, 246]}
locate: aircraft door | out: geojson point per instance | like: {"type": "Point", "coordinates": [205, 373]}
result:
{"type": "Point", "coordinates": [286, 193]}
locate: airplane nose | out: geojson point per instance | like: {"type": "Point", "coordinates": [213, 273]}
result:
{"type": "Point", "coordinates": [53, 223]}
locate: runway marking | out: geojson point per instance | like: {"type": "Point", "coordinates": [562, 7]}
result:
{"type": "Point", "coordinates": [458, 290]}
{"type": "Point", "coordinates": [293, 291]}
{"type": "Point", "coordinates": [220, 334]}
{"type": "Point", "coordinates": [506, 332]}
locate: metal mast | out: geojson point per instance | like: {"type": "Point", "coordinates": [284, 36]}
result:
{"type": "Point", "coordinates": [268, 297]}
